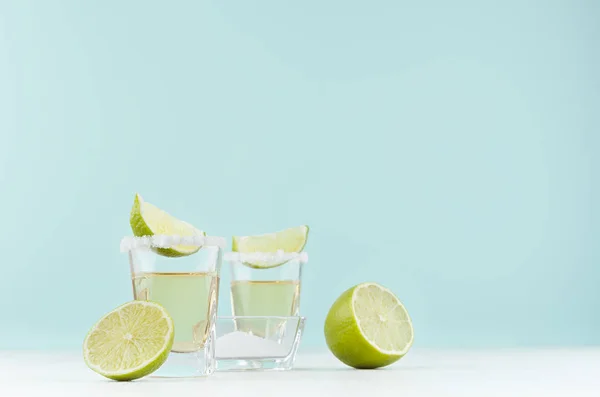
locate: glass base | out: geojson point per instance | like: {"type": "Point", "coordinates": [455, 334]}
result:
{"type": "Point", "coordinates": [263, 364]}
{"type": "Point", "coordinates": [186, 365]}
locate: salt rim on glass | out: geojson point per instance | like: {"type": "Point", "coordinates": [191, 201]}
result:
{"type": "Point", "coordinates": [266, 257]}
{"type": "Point", "coordinates": [129, 243]}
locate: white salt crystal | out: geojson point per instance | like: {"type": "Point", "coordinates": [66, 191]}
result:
{"type": "Point", "coordinates": [243, 345]}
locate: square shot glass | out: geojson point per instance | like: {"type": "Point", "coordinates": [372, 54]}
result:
{"type": "Point", "coordinates": [241, 351]}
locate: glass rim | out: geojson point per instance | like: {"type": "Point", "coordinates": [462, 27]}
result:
{"type": "Point", "coordinates": [130, 243]}
{"type": "Point", "coordinates": [266, 257]}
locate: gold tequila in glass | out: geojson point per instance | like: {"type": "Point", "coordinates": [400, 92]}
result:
{"type": "Point", "coordinates": [188, 288]}
{"type": "Point", "coordinates": [189, 299]}
{"type": "Point", "coordinates": [265, 291]}
{"type": "Point", "coordinates": [265, 297]}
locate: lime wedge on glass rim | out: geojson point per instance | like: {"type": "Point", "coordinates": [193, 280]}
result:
{"type": "Point", "coordinates": [289, 241]}
{"type": "Point", "coordinates": [147, 220]}
{"type": "Point", "coordinates": [368, 327]}
{"type": "Point", "coordinates": [130, 342]}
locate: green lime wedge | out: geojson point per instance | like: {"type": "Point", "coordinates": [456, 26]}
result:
{"type": "Point", "coordinates": [368, 327]}
{"type": "Point", "coordinates": [288, 240]}
{"type": "Point", "coordinates": [147, 220]}
{"type": "Point", "coordinates": [130, 342]}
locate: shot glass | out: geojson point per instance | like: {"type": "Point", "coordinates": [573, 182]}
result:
{"type": "Point", "coordinates": [265, 284]}
{"type": "Point", "coordinates": [240, 351]}
{"type": "Point", "coordinates": [187, 286]}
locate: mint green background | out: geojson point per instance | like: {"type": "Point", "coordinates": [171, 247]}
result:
{"type": "Point", "coordinates": [445, 149]}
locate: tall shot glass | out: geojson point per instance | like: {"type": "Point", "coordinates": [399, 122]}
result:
{"type": "Point", "coordinates": [187, 286]}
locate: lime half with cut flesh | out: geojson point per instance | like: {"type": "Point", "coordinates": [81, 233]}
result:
{"type": "Point", "coordinates": [130, 342]}
{"type": "Point", "coordinates": [288, 240]}
{"type": "Point", "coordinates": [368, 327]}
{"type": "Point", "coordinates": [148, 220]}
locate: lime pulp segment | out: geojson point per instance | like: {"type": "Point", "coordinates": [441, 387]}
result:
{"type": "Point", "coordinates": [382, 319]}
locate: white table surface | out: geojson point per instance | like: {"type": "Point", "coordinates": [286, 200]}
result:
{"type": "Point", "coordinates": [549, 372]}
